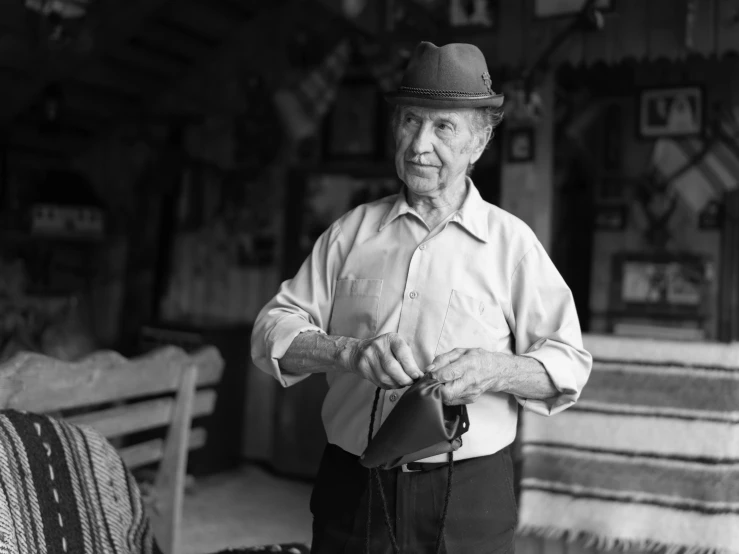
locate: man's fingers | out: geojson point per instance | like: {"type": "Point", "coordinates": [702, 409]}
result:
{"type": "Point", "coordinates": [395, 371]}
{"type": "Point", "coordinates": [449, 392]}
{"type": "Point", "coordinates": [403, 353]}
{"type": "Point", "coordinates": [443, 360]}
{"type": "Point", "coordinates": [453, 394]}
{"type": "Point", "coordinates": [382, 379]}
{"type": "Point", "coordinates": [451, 372]}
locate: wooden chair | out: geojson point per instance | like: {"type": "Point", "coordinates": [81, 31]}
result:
{"type": "Point", "coordinates": [117, 396]}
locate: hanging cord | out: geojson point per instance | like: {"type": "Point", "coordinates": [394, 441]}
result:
{"type": "Point", "coordinates": [376, 472]}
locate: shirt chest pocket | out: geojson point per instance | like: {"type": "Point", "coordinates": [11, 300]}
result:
{"type": "Point", "coordinates": [356, 307]}
{"type": "Point", "coordinates": [472, 323]}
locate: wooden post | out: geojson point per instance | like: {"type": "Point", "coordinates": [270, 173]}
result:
{"type": "Point", "coordinates": [169, 486]}
{"type": "Point", "coordinates": [527, 187]}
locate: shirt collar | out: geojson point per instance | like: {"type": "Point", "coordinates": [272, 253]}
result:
{"type": "Point", "coordinates": [471, 216]}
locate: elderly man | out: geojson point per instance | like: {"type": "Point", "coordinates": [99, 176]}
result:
{"type": "Point", "coordinates": [432, 279]}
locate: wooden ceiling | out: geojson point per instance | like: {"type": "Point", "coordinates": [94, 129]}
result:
{"type": "Point", "coordinates": [139, 50]}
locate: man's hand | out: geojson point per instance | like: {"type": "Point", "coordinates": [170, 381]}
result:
{"type": "Point", "coordinates": [386, 360]}
{"type": "Point", "coordinates": [466, 373]}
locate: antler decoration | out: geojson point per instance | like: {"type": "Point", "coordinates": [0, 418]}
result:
{"type": "Point", "coordinates": [522, 103]}
{"type": "Point", "coordinates": [658, 205]}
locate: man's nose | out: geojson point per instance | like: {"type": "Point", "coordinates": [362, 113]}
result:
{"type": "Point", "coordinates": [421, 143]}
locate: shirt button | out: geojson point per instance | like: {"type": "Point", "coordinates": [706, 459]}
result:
{"type": "Point", "coordinates": [422, 247]}
{"type": "Point", "coordinates": [393, 397]}
{"type": "Point", "coordinates": [413, 294]}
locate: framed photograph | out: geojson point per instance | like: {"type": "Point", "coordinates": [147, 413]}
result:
{"type": "Point", "coordinates": [521, 144]}
{"type": "Point", "coordinates": [671, 111]}
{"type": "Point", "coordinates": [659, 285]}
{"type": "Point", "coordinates": [473, 14]}
{"type": "Point", "coordinates": [611, 217]}
{"type": "Point", "coordinates": [711, 217]}
{"type": "Point", "coordinates": [559, 8]}
{"type": "Point", "coordinates": [672, 283]}
{"type": "Point", "coordinates": [352, 126]}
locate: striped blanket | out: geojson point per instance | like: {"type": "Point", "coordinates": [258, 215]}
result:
{"type": "Point", "coordinates": [65, 489]}
{"type": "Point", "coordinates": [649, 456]}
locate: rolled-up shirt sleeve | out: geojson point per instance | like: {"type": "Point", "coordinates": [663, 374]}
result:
{"type": "Point", "coordinates": [546, 327]}
{"type": "Point", "coordinates": [301, 304]}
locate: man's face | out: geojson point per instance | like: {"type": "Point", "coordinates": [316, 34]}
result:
{"type": "Point", "coordinates": [434, 147]}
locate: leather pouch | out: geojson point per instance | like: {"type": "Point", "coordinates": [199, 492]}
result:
{"type": "Point", "coordinates": [420, 426]}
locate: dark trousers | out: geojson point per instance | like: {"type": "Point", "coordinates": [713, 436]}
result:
{"type": "Point", "coordinates": [481, 516]}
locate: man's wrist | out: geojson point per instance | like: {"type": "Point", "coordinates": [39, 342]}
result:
{"type": "Point", "coordinates": [345, 352]}
{"type": "Point", "coordinates": [501, 367]}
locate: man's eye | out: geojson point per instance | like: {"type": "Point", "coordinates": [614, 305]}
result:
{"type": "Point", "coordinates": [444, 127]}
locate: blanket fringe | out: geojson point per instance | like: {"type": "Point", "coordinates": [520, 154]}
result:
{"type": "Point", "coordinates": [599, 542]}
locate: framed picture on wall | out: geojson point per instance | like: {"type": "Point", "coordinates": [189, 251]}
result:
{"type": "Point", "coordinates": [659, 284]}
{"type": "Point", "coordinates": [711, 217]}
{"type": "Point", "coordinates": [671, 111]}
{"type": "Point", "coordinates": [521, 144]}
{"type": "Point", "coordinates": [559, 8]}
{"type": "Point", "coordinates": [673, 282]}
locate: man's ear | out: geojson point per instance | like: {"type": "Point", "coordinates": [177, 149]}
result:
{"type": "Point", "coordinates": [481, 141]}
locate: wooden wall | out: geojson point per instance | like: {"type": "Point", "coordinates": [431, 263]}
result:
{"type": "Point", "coordinates": [720, 79]}
{"type": "Point", "coordinates": [641, 29]}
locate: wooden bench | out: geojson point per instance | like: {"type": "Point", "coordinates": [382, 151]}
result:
{"type": "Point", "coordinates": [121, 397]}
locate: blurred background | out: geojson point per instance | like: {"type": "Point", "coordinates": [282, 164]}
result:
{"type": "Point", "coordinates": [165, 164]}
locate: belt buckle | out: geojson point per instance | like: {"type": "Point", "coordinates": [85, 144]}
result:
{"type": "Point", "coordinates": [404, 469]}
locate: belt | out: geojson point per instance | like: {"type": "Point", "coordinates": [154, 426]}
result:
{"type": "Point", "coordinates": [421, 466]}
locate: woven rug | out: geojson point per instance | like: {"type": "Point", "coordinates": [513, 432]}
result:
{"type": "Point", "coordinates": [64, 489]}
{"type": "Point", "coordinates": [649, 456]}
{"type": "Point", "coordinates": [287, 548]}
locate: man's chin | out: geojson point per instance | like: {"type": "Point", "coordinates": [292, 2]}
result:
{"type": "Point", "coordinates": [420, 184]}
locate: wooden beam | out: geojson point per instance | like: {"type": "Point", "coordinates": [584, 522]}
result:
{"type": "Point", "coordinates": [168, 27]}
{"type": "Point", "coordinates": [13, 73]}
{"type": "Point", "coordinates": [232, 9]}
{"type": "Point", "coordinates": [114, 26]}
{"type": "Point", "coordinates": [147, 63]}
{"type": "Point", "coordinates": [12, 18]}
{"type": "Point", "coordinates": [201, 17]}
{"type": "Point", "coordinates": [102, 78]}
{"type": "Point", "coordinates": [66, 127]}
{"type": "Point", "coordinates": [131, 69]}
{"type": "Point", "coordinates": [63, 142]}
{"type": "Point", "coordinates": [182, 24]}
{"type": "Point", "coordinates": [169, 38]}
{"type": "Point", "coordinates": [154, 48]}
{"type": "Point", "coordinates": [24, 155]}
{"type": "Point", "coordinates": [229, 43]}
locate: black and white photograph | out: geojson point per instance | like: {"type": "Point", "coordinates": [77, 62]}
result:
{"type": "Point", "coordinates": [521, 144]}
{"type": "Point", "coordinates": [671, 112]}
{"type": "Point", "coordinates": [369, 276]}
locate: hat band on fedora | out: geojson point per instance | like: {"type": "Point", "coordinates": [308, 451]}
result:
{"type": "Point", "coordinates": [445, 93]}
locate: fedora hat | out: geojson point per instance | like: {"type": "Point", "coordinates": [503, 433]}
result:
{"type": "Point", "coordinates": [450, 76]}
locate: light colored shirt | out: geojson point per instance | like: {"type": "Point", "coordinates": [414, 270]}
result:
{"type": "Point", "coordinates": [481, 279]}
